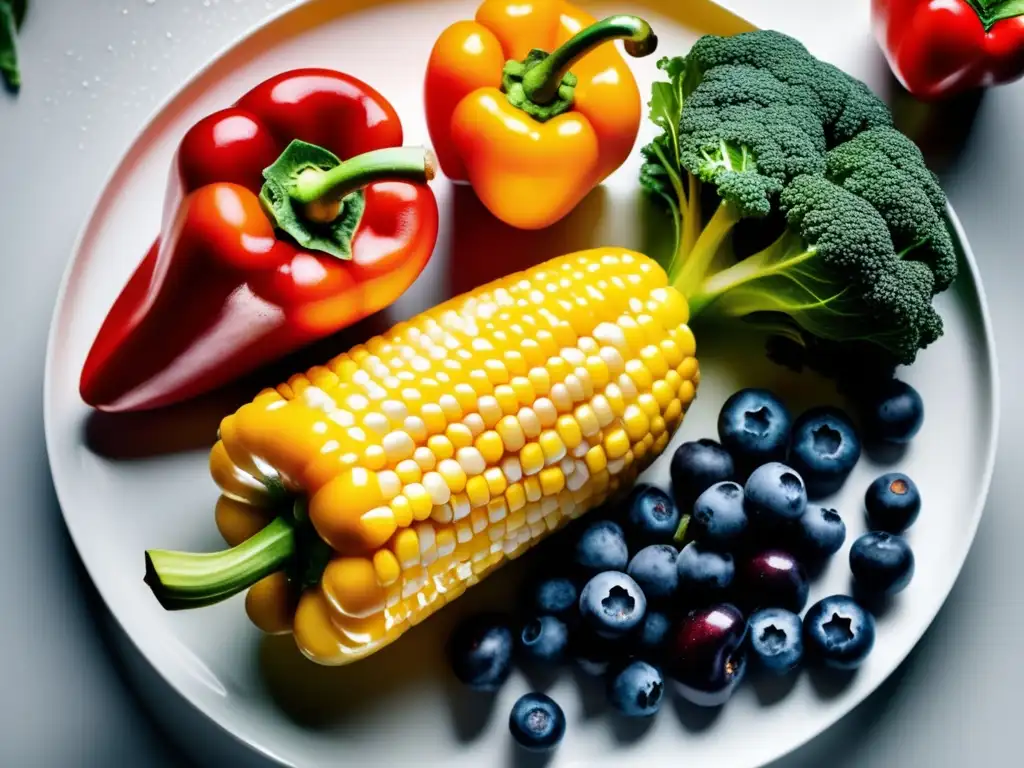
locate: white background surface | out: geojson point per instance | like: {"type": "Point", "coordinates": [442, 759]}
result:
{"type": "Point", "coordinates": [93, 73]}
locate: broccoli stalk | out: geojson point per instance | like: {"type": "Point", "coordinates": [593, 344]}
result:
{"type": "Point", "coordinates": [757, 133]}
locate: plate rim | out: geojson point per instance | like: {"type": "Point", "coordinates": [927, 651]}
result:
{"type": "Point", "coordinates": [166, 671]}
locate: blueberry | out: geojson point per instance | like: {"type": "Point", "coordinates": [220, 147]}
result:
{"type": "Point", "coordinates": [838, 632]}
{"type": "Point", "coordinates": [612, 604]}
{"type": "Point", "coordinates": [650, 639]}
{"type": "Point", "coordinates": [602, 547]}
{"type": "Point", "coordinates": [636, 690]}
{"type": "Point", "coordinates": [704, 572]}
{"type": "Point", "coordinates": [776, 638]}
{"type": "Point", "coordinates": [654, 569]}
{"type": "Point", "coordinates": [772, 578]}
{"type": "Point", "coordinates": [536, 722]}
{"type": "Point", "coordinates": [594, 653]}
{"type": "Point", "coordinates": [825, 450]}
{"type": "Point", "coordinates": [652, 517]}
{"type": "Point", "coordinates": [893, 502]}
{"type": "Point", "coordinates": [753, 426]}
{"type": "Point", "coordinates": [556, 596]}
{"type": "Point", "coordinates": [821, 532]}
{"type": "Point", "coordinates": [894, 414]}
{"type": "Point", "coordinates": [695, 467]}
{"type": "Point", "coordinates": [480, 651]}
{"type": "Point", "coordinates": [544, 639]}
{"type": "Point", "coordinates": [775, 494]}
{"type": "Point", "coordinates": [882, 563]}
{"type": "Point", "coordinates": [719, 518]}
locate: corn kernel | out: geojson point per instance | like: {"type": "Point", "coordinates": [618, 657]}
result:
{"type": "Point", "coordinates": [687, 392]}
{"type": "Point", "coordinates": [441, 447]}
{"type": "Point", "coordinates": [661, 442]}
{"type": "Point", "coordinates": [476, 489]}
{"type": "Point", "coordinates": [445, 542]}
{"type": "Point", "coordinates": [374, 457]}
{"type": "Point", "coordinates": [569, 431]}
{"type": "Point", "coordinates": [497, 509]}
{"type": "Point", "coordinates": [558, 369]}
{"type": "Point", "coordinates": [529, 421]}
{"type": "Point", "coordinates": [459, 435]}
{"type": "Point", "coordinates": [551, 481]}
{"type": "Point", "coordinates": [424, 458]}
{"type": "Point", "coordinates": [507, 399]}
{"type": "Point", "coordinates": [636, 423]}
{"type": "Point", "coordinates": [402, 510]}
{"type": "Point", "coordinates": [657, 426]}
{"type": "Point", "coordinates": [460, 506]}
{"type": "Point", "coordinates": [442, 513]}
{"type": "Point", "coordinates": [452, 474]}
{"type": "Point", "coordinates": [511, 433]}
{"type": "Point", "coordinates": [540, 380]}
{"type": "Point", "coordinates": [489, 410]}
{"type": "Point", "coordinates": [387, 567]}
{"type": "Point", "coordinates": [673, 411]}
{"type": "Point", "coordinates": [419, 500]}
{"type": "Point", "coordinates": [531, 485]}
{"type": "Point", "coordinates": [478, 519]}
{"type": "Point", "coordinates": [546, 412]}
{"type": "Point", "coordinates": [616, 443]}
{"type": "Point", "coordinates": [523, 389]}
{"type": "Point", "coordinates": [654, 361]}
{"type": "Point", "coordinates": [433, 418]}
{"type": "Point", "coordinates": [474, 422]}
{"type": "Point", "coordinates": [406, 546]}
{"type": "Point", "coordinates": [471, 461]}
{"type": "Point", "coordinates": [587, 420]}
{"type": "Point", "coordinates": [638, 372]}
{"type": "Point", "coordinates": [408, 471]}
{"type": "Point", "coordinates": [515, 496]}
{"type": "Point", "coordinates": [551, 446]}
{"type": "Point", "coordinates": [490, 446]}
{"type": "Point", "coordinates": [390, 484]}
{"type": "Point", "coordinates": [602, 410]}
{"type": "Point", "coordinates": [512, 469]}
{"type": "Point", "coordinates": [531, 458]}
{"type": "Point", "coordinates": [598, 370]}
{"type": "Point", "coordinates": [663, 393]}
{"type": "Point", "coordinates": [515, 521]}
{"type": "Point", "coordinates": [377, 525]}
{"type": "Point", "coordinates": [496, 482]}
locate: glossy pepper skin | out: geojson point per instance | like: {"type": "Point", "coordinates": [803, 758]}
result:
{"type": "Point", "coordinates": [222, 291]}
{"type": "Point", "coordinates": [939, 48]}
{"type": "Point", "coordinates": [531, 170]}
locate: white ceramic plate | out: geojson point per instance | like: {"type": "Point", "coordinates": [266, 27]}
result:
{"type": "Point", "coordinates": [134, 482]}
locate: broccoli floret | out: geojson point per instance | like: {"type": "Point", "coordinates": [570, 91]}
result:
{"type": "Point", "coordinates": [918, 230]}
{"type": "Point", "coordinates": [861, 110]}
{"type": "Point", "coordinates": [762, 138]}
{"type": "Point", "coordinates": [833, 274]}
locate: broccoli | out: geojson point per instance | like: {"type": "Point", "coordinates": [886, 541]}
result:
{"type": "Point", "coordinates": [799, 208]}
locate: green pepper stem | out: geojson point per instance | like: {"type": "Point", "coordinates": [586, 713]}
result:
{"type": "Point", "coordinates": [414, 164]}
{"type": "Point", "coordinates": [191, 580]}
{"type": "Point", "coordinates": [541, 83]}
{"type": "Point", "coordinates": [991, 12]}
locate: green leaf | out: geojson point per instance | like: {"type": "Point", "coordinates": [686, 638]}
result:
{"type": "Point", "coordinates": [10, 18]}
{"type": "Point", "coordinates": [333, 238]}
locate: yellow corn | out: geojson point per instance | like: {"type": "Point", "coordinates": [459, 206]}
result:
{"type": "Point", "coordinates": [436, 452]}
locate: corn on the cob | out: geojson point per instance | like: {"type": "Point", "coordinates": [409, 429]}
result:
{"type": "Point", "coordinates": [429, 456]}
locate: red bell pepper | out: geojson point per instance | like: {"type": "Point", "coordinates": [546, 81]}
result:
{"type": "Point", "coordinates": [938, 48]}
{"type": "Point", "coordinates": [288, 217]}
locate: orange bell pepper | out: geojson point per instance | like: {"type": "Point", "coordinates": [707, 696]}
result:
{"type": "Point", "coordinates": [533, 132]}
